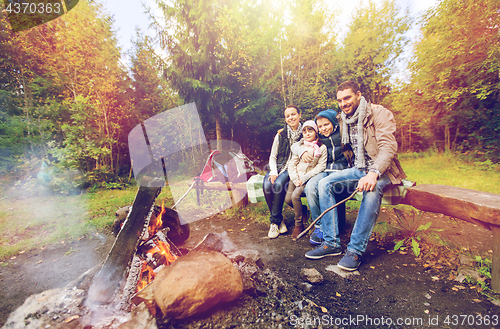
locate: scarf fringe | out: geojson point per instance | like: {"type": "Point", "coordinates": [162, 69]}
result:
{"type": "Point", "coordinates": [359, 117]}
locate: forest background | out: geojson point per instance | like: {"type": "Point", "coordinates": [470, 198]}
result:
{"type": "Point", "coordinates": [68, 103]}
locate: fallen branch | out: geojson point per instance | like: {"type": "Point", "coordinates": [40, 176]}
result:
{"type": "Point", "coordinates": [324, 212]}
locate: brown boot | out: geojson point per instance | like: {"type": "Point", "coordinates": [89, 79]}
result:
{"type": "Point", "coordinates": [297, 230]}
{"type": "Point", "coordinates": [305, 215]}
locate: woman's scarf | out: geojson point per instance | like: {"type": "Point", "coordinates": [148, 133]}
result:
{"type": "Point", "coordinates": [314, 144]}
{"type": "Point", "coordinates": [293, 136]}
{"type": "Point", "coordinates": [359, 117]}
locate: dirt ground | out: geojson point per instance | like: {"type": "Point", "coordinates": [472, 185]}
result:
{"type": "Point", "coordinates": [392, 290]}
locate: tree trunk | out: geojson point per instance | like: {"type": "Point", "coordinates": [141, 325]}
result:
{"type": "Point", "coordinates": [410, 143]}
{"type": "Point", "coordinates": [402, 138]}
{"type": "Point", "coordinates": [447, 137]}
{"type": "Point", "coordinates": [379, 93]}
{"type": "Point", "coordinates": [454, 144]}
{"type": "Point", "coordinates": [282, 76]}
{"type": "Point", "coordinates": [218, 130]}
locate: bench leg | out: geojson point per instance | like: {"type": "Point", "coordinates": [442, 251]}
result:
{"type": "Point", "coordinates": [495, 269]}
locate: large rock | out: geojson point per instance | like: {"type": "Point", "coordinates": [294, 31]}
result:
{"type": "Point", "coordinates": [196, 282]}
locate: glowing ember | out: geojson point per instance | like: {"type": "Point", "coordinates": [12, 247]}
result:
{"type": "Point", "coordinates": [147, 275]}
{"type": "Point", "coordinates": [164, 249]}
{"type": "Point", "coordinates": [156, 251]}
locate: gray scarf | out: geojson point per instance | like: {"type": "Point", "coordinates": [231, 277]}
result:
{"type": "Point", "coordinates": [358, 117]}
{"type": "Point", "coordinates": [293, 136]}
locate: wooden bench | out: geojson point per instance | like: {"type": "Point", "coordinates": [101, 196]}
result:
{"type": "Point", "coordinates": [477, 207]}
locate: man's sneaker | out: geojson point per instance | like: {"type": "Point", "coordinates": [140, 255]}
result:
{"type": "Point", "coordinates": [350, 261]}
{"type": "Point", "coordinates": [323, 251]}
{"type": "Point", "coordinates": [316, 237]}
{"type": "Point", "coordinates": [273, 231]}
{"type": "Point", "coordinates": [283, 227]}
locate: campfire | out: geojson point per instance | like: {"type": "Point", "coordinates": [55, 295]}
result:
{"type": "Point", "coordinates": [156, 251]}
{"type": "Point", "coordinates": [145, 275]}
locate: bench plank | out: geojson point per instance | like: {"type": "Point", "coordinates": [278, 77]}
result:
{"type": "Point", "coordinates": [474, 206]}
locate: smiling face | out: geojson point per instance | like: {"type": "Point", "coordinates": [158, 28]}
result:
{"type": "Point", "coordinates": [325, 127]}
{"type": "Point", "coordinates": [348, 100]}
{"type": "Point", "coordinates": [309, 134]}
{"type": "Point", "coordinates": [292, 117]}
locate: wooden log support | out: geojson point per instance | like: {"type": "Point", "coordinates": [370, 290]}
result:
{"type": "Point", "coordinates": [495, 266]}
{"type": "Point", "coordinates": [477, 207]}
{"type": "Point", "coordinates": [114, 270]}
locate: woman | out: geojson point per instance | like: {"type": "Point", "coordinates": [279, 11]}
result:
{"type": "Point", "coordinates": [276, 180]}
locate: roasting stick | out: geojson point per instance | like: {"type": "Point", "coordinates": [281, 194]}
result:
{"type": "Point", "coordinates": [182, 197]}
{"type": "Point", "coordinates": [324, 212]}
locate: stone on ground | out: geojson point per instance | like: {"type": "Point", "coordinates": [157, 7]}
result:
{"type": "Point", "coordinates": [195, 283]}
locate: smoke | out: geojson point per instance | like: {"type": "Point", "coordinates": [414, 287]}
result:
{"type": "Point", "coordinates": [172, 146]}
{"type": "Point", "coordinates": [43, 207]}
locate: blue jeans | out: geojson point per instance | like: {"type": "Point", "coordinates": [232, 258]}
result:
{"type": "Point", "coordinates": [311, 191]}
{"type": "Point", "coordinates": [275, 195]}
{"type": "Point", "coordinates": [331, 191]}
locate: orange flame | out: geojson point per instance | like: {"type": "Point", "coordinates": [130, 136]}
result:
{"type": "Point", "coordinates": [157, 224]}
{"type": "Point", "coordinates": [164, 249]}
{"type": "Point", "coordinates": [147, 272]}
{"type": "Point", "coordinates": [147, 276]}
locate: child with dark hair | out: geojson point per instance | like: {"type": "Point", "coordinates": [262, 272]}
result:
{"type": "Point", "coordinates": [329, 133]}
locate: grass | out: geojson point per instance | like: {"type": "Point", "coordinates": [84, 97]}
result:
{"type": "Point", "coordinates": [35, 221]}
{"type": "Point", "coordinates": [450, 169]}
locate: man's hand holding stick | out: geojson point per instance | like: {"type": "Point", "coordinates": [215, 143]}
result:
{"type": "Point", "coordinates": [324, 212]}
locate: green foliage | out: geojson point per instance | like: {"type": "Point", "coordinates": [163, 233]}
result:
{"type": "Point", "coordinates": [307, 49]}
{"type": "Point", "coordinates": [453, 95]}
{"type": "Point", "coordinates": [375, 40]}
{"type": "Point", "coordinates": [415, 247]}
{"type": "Point", "coordinates": [412, 230]}
{"type": "Point", "coordinates": [64, 93]}
{"type": "Point", "coordinates": [63, 79]}
{"type": "Point", "coordinates": [483, 266]}
{"type": "Point", "coordinates": [151, 93]}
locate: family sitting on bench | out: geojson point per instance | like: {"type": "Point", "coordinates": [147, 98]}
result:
{"type": "Point", "coordinates": [361, 154]}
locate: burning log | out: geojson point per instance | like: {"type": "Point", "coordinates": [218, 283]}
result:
{"type": "Point", "coordinates": [158, 251]}
{"type": "Point", "coordinates": [177, 232]}
{"type": "Point", "coordinates": [113, 272]}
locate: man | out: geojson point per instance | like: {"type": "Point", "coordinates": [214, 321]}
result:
{"type": "Point", "coordinates": [369, 130]}
{"type": "Point", "coordinates": [329, 132]}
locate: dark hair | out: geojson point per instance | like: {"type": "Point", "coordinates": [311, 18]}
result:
{"type": "Point", "coordinates": [349, 84]}
{"type": "Point", "coordinates": [292, 106]}
{"type": "Point", "coordinates": [317, 135]}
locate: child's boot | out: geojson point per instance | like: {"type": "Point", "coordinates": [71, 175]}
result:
{"type": "Point", "coordinates": [297, 230]}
